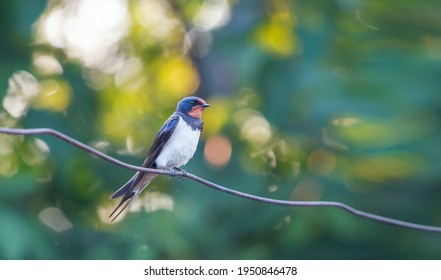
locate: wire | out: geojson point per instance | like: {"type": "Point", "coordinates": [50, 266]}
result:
{"type": "Point", "coordinates": [290, 203]}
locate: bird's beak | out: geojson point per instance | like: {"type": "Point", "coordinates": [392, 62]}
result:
{"type": "Point", "coordinates": [206, 105]}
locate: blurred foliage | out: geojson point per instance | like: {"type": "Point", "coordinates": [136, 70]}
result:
{"type": "Point", "coordinates": [311, 100]}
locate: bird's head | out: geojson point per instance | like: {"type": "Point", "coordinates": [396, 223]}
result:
{"type": "Point", "coordinates": [192, 105]}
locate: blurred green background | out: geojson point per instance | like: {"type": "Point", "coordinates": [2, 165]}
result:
{"type": "Point", "coordinates": [311, 100]}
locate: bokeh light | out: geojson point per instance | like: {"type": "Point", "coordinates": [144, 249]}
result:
{"type": "Point", "coordinates": [212, 14]}
{"type": "Point", "coordinates": [217, 151]}
{"type": "Point", "coordinates": [54, 218]}
{"type": "Point", "coordinates": [254, 127]}
{"type": "Point", "coordinates": [87, 30]}
{"type": "Point", "coordinates": [308, 190]}
{"type": "Point", "coordinates": [23, 87]}
{"type": "Point", "coordinates": [276, 34]}
{"type": "Point", "coordinates": [55, 95]}
{"type": "Point", "coordinates": [321, 162]}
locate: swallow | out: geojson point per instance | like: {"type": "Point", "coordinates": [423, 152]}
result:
{"type": "Point", "coordinates": [174, 145]}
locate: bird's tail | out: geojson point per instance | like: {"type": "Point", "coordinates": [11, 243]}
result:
{"type": "Point", "coordinates": [124, 189]}
{"type": "Point", "coordinates": [130, 192]}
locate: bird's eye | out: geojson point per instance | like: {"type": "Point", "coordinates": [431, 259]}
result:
{"type": "Point", "coordinates": [194, 102]}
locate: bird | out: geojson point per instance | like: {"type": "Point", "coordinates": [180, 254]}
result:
{"type": "Point", "coordinates": [174, 145]}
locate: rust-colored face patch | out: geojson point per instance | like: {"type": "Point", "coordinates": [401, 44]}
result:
{"type": "Point", "coordinates": [196, 111]}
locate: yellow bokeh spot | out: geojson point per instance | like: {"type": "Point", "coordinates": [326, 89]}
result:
{"type": "Point", "coordinates": [8, 165]}
{"type": "Point", "coordinates": [277, 34]}
{"type": "Point", "coordinates": [379, 169]}
{"type": "Point", "coordinates": [386, 133]}
{"type": "Point", "coordinates": [176, 76]}
{"type": "Point", "coordinates": [215, 117]}
{"type": "Point", "coordinates": [125, 119]}
{"type": "Point", "coordinates": [55, 95]}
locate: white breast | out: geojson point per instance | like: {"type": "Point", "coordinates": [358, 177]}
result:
{"type": "Point", "coordinates": [180, 148]}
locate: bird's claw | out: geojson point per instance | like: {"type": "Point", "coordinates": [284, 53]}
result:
{"type": "Point", "coordinates": [184, 173]}
{"type": "Point", "coordinates": [173, 173]}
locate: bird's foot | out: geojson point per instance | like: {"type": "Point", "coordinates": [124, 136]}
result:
{"type": "Point", "coordinates": [184, 173]}
{"type": "Point", "coordinates": [173, 172]}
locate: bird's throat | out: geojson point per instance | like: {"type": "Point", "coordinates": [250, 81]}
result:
{"type": "Point", "coordinates": [196, 112]}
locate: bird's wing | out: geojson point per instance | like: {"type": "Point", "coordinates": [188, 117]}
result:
{"type": "Point", "coordinates": [161, 139]}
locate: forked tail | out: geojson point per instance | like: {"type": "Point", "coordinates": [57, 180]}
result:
{"type": "Point", "coordinates": [130, 191]}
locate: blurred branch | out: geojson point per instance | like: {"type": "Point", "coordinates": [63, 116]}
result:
{"type": "Point", "coordinates": [366, 215]}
